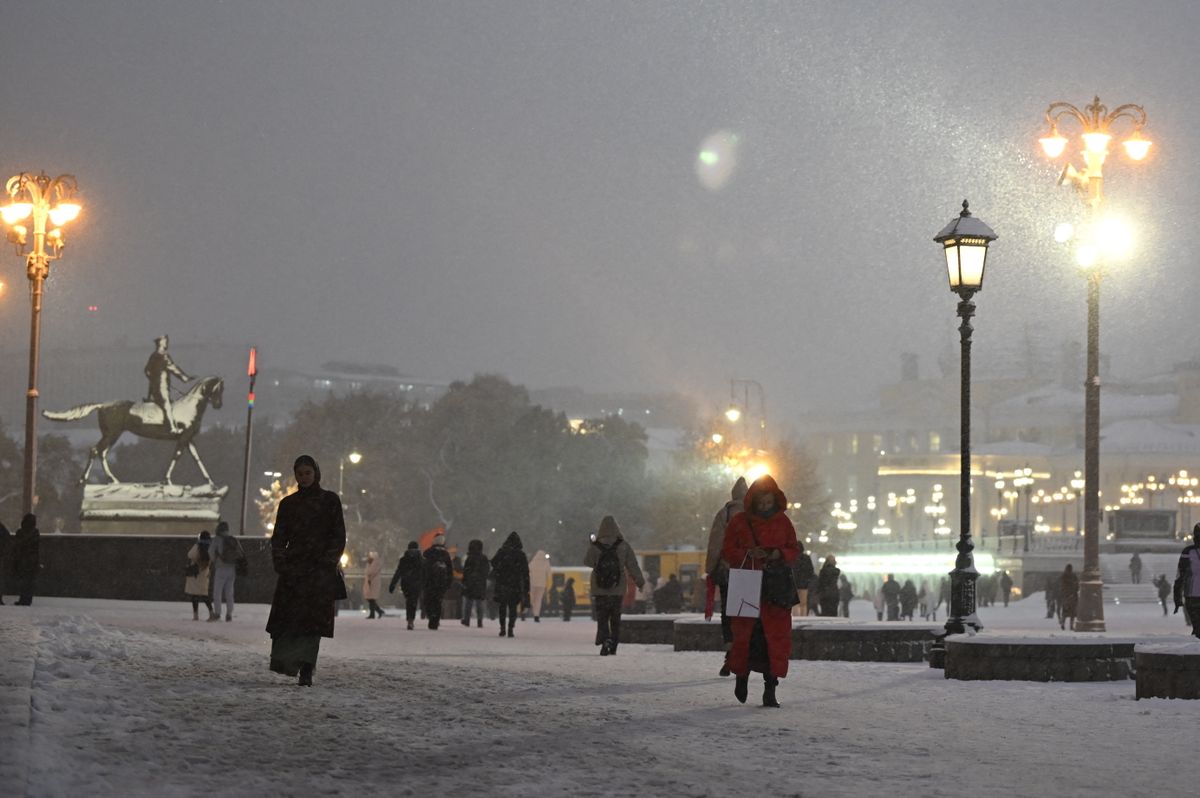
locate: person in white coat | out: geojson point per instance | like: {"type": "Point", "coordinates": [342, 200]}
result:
{"type": "Point", "coordinates": [539, 577]}
{"type": "Point", "coordinates": [371, 582]}
{"type": "Point", "coordinates": [225, 553]}
{"type": "Point", "coordinates": [195, 587]}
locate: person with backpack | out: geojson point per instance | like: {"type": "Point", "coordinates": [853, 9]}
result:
{"type": "Point", "coordinates": [613, 563]}
{"type": "Point", "coordinates": [568, 599]}
{"type": "Point", "coordinates": [717, 568]}
{"type": "Point", "coordinates": [762, 533]}
{"type": "Point", "coordinates": [195, 587]}
{"type": "Point", "coordinates": [437, 573]}
{"type": "Point", "coordinates": [371, 584]}
{"type": "Point", "coordinates": [511, 572]}
{"type": "Point", "coordinates": [475, 579]}
{"type": "Point", "coordinates": [225, 553]}
{"type": "Point", "coordinates": [306, 549]}
{"type": "Point", "coordinates": [408, 576]}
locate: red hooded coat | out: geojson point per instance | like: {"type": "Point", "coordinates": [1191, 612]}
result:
{"type": "Point", "coordinates": [774, 533]}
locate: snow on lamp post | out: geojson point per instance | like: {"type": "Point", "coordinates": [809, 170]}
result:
{"type": "Point", "coordinates": [1096, 123]}
{"type": "Point", "coordinates": [965, 245]}
{"type": "Point", "coordinates": [46, 200]}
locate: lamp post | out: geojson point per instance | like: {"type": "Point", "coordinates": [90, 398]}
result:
{"type": "Point", "coordinates": [735, 412]}
{"type": "Point", "coordinates": [44, 199]}
{"type": "Point", "coordinates": [355, 458]}
{"type": "Point", "coordinates": [1095, 122]}
{"type": "Point", "coordinates": [965, 243]}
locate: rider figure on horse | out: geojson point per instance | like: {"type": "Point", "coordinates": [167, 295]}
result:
{"type": "Point", "coordinates": [159, 370]}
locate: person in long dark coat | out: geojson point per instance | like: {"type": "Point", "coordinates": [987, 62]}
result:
{"type": "Point", "coordinates": [1070, 596]}
{"type": "Point", "coordinates": [568, 599]}
{"type": "Point", "coordinates": [306, 547]}
{"type": "Point", "coordinates": [828, 594]}
{"type": "Point", "coordinates": [475, 579]}
{"type": "Point", "coordinates": [26, 558]}
{"type": "Point", "coordinates": [436, 575]}
{"type": "Point", "coordinates": [511, 571]}
{"type": "Point", "coordinates": [908, 599]}
{"type": "Point", "coordinates": [408, 575]}
{"type": "Point", "coordinates": [5, 541]}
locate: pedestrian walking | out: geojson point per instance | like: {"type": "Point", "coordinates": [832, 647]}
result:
{"type": "Point", "coordinates": [475, 579]}
{"type": "Point", "coordinates": [539, 577]}
{"type": "Point", "coordinates": [716, 567]}
{"type": "Point", "coordinates": [511, 571]}
{"type": "Point", "coordinates": [372, 581]}
{"type": "Point", "coordinates": [613, 564]}
{"type": "Point", "coordinates": [1135, 569]}
{"type": "Point", "coordinates": [761, 533]}
{"type": "Point", "coordinates": [226, 552]}
{"type": "Point", "coordinates": [908, 599]}
{"type": "Point", "coordinates": [27, 559]}
{"type": "Point", "coordinates": [568, 599]}
{"type": "Point", "coordinates": [1187, 582]}
{"type": "Point", "coordinates": [845, 596]}
{"type": "Point", "coordinates": [891, 597]}
{"type": "Point", "coordinates": [879, 601]}
{"type": "Point", "coordinates": [1070, 597]}
{"type": "Point", "coordinates": [437, 573]}
{"type": "Point", "coordinates": [1053, 595]}
{"type": "Point", "coordinates": [923, 600]}
{"type": "Point", "coordinates": [199, 569]}
{"type": "Point", "coordinates": [306, 547]}
{"type": "Point", "coordinates": [669, 597]}
{"type": "Point", "coordinates": [1164, 591]}
{"type": "Point", "coordinates": [1006, 586]}
{"type": "Point", "coordinates": [804, 574]}
{"type": "Point", "coordinates": [828, 594]}
{"type": "Point", "coordinates": [408, 576]}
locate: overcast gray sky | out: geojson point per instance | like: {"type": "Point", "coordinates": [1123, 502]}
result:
{"type": "Point", "coordinates": [513, 187]}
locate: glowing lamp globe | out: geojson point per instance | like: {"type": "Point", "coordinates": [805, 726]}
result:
{"type": "Point", "coordinates": [965, 243]}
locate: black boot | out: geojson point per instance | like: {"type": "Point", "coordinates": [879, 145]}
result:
{"type": "Point", "coordinates": [306, 673]}
{"type": "Point", "coordinates": [510, 629]}
{"type": "Point", "coordinates": [769, 693]}
{"type": "Point", "coordinates": [741, 688]}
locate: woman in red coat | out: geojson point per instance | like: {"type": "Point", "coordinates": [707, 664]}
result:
{"type": "Point", "coordinates": [760, 533]}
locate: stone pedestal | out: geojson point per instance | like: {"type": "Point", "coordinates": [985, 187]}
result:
{"type": "Point", "coordinates": [158, 509]}
{"type": "Point", "coordinates": [1168, 670]}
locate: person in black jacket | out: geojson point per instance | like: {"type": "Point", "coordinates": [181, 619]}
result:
{"type": "Point", "coordinates": [1187, 582]}
{"type": "Point", "coordinates": [568, 599]}
{"type": "Point", "coordinates": [436, 576]}
{"type": "Point", "coordinates": [891, 597]}
{"type": "Point", "coordinates": [408, 575]}
{"type": "Point", "coordinates": [1164, 591]}
{"type": "Point", "coordinates": [475, 579]}
{"type": "Point", "coordinates": [5, 540]}
{"type": "Point", "coordinates": [828, 594]}
{"type": "Point", "coordinates": [511, 571]}
{"type": "Point", "coordinates": [908, 600]}
{"type": "Point", "coordinates": [26, 559]}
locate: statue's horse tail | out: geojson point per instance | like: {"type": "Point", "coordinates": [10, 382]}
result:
{"type": "Point", "coordinates": [74, 414]}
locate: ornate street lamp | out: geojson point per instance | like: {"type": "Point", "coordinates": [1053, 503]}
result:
{"type": "Point", "coordinates": [45, 200]}
{"type": "Point", "coordinates": [965, 243]}
{"type": "Point", "coordinates": [1096, 123]}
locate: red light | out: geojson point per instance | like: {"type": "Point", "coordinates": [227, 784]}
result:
{"type": "Point", "coordinates": [93, 308]}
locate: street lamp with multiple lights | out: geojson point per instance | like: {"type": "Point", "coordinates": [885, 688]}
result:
{"type": "Point", "coordinates": [1096, 122]}
{"type": "Point", "coordinates": [45, 200]}
{"type": "Point", "coordinates": [965, 244]}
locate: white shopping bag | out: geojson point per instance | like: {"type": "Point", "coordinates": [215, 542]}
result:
{"type": "Point", "coordinates": [745, 593]}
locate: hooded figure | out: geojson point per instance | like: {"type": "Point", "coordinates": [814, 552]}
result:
{"type": "Point", "coordinates": [26, 555]}
{"type": "Point", "coordinates": [475, 579]}
{"type": "Point", "coordinates": [408, 575]}
{"type": "Point", "coordinates": [607, 549]}
{"type": "Point", "coordinates": [306, 547]}
{"type": "Point", "coordinates": [511, 573]}
{"type": "Point", "coordinates": [539, 577]}
{"type": "Point", "coordinates": [761, 532]}
{"type": "Point", "coordinates": [436, 575]}
{"type": "Point", "coordinates": [827, 587]}
{"type": "Point", "coordinates": [716, 568]}
{"type": "Point", "coordinates": [195, 587]}
{"type": "Point", "coordinates": [1070, 596]}
{"type": "Point", "coordinates": [372, 581]}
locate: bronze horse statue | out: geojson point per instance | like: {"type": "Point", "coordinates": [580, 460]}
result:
{"type": "Point", "coordinates": [147, 420]}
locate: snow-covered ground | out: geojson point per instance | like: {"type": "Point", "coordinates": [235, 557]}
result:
{"type": "Point", "coordinates": [133, 698]}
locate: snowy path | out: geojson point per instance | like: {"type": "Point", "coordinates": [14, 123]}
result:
{"type": "Point", "coordinates": [126, 698]}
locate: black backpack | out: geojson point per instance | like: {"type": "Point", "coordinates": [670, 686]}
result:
{"type": "Point", "coordinates": [608, 567]}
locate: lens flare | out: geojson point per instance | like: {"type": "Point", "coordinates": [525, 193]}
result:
{"type": "Point", "coordinates": [717, 159]}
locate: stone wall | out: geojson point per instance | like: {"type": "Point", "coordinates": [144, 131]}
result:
{"type": "Point", "coordinates": [1095, 660]}
{"type": "Point", "coordinates": [138, 568]}
{"type": "Point", "coordinates": [1165, 673]}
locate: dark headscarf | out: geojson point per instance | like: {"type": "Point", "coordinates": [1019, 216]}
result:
{"type": "Point", "coordinates": [306, 459]}
{"type": "Point", "coordinates": [29, 521]}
